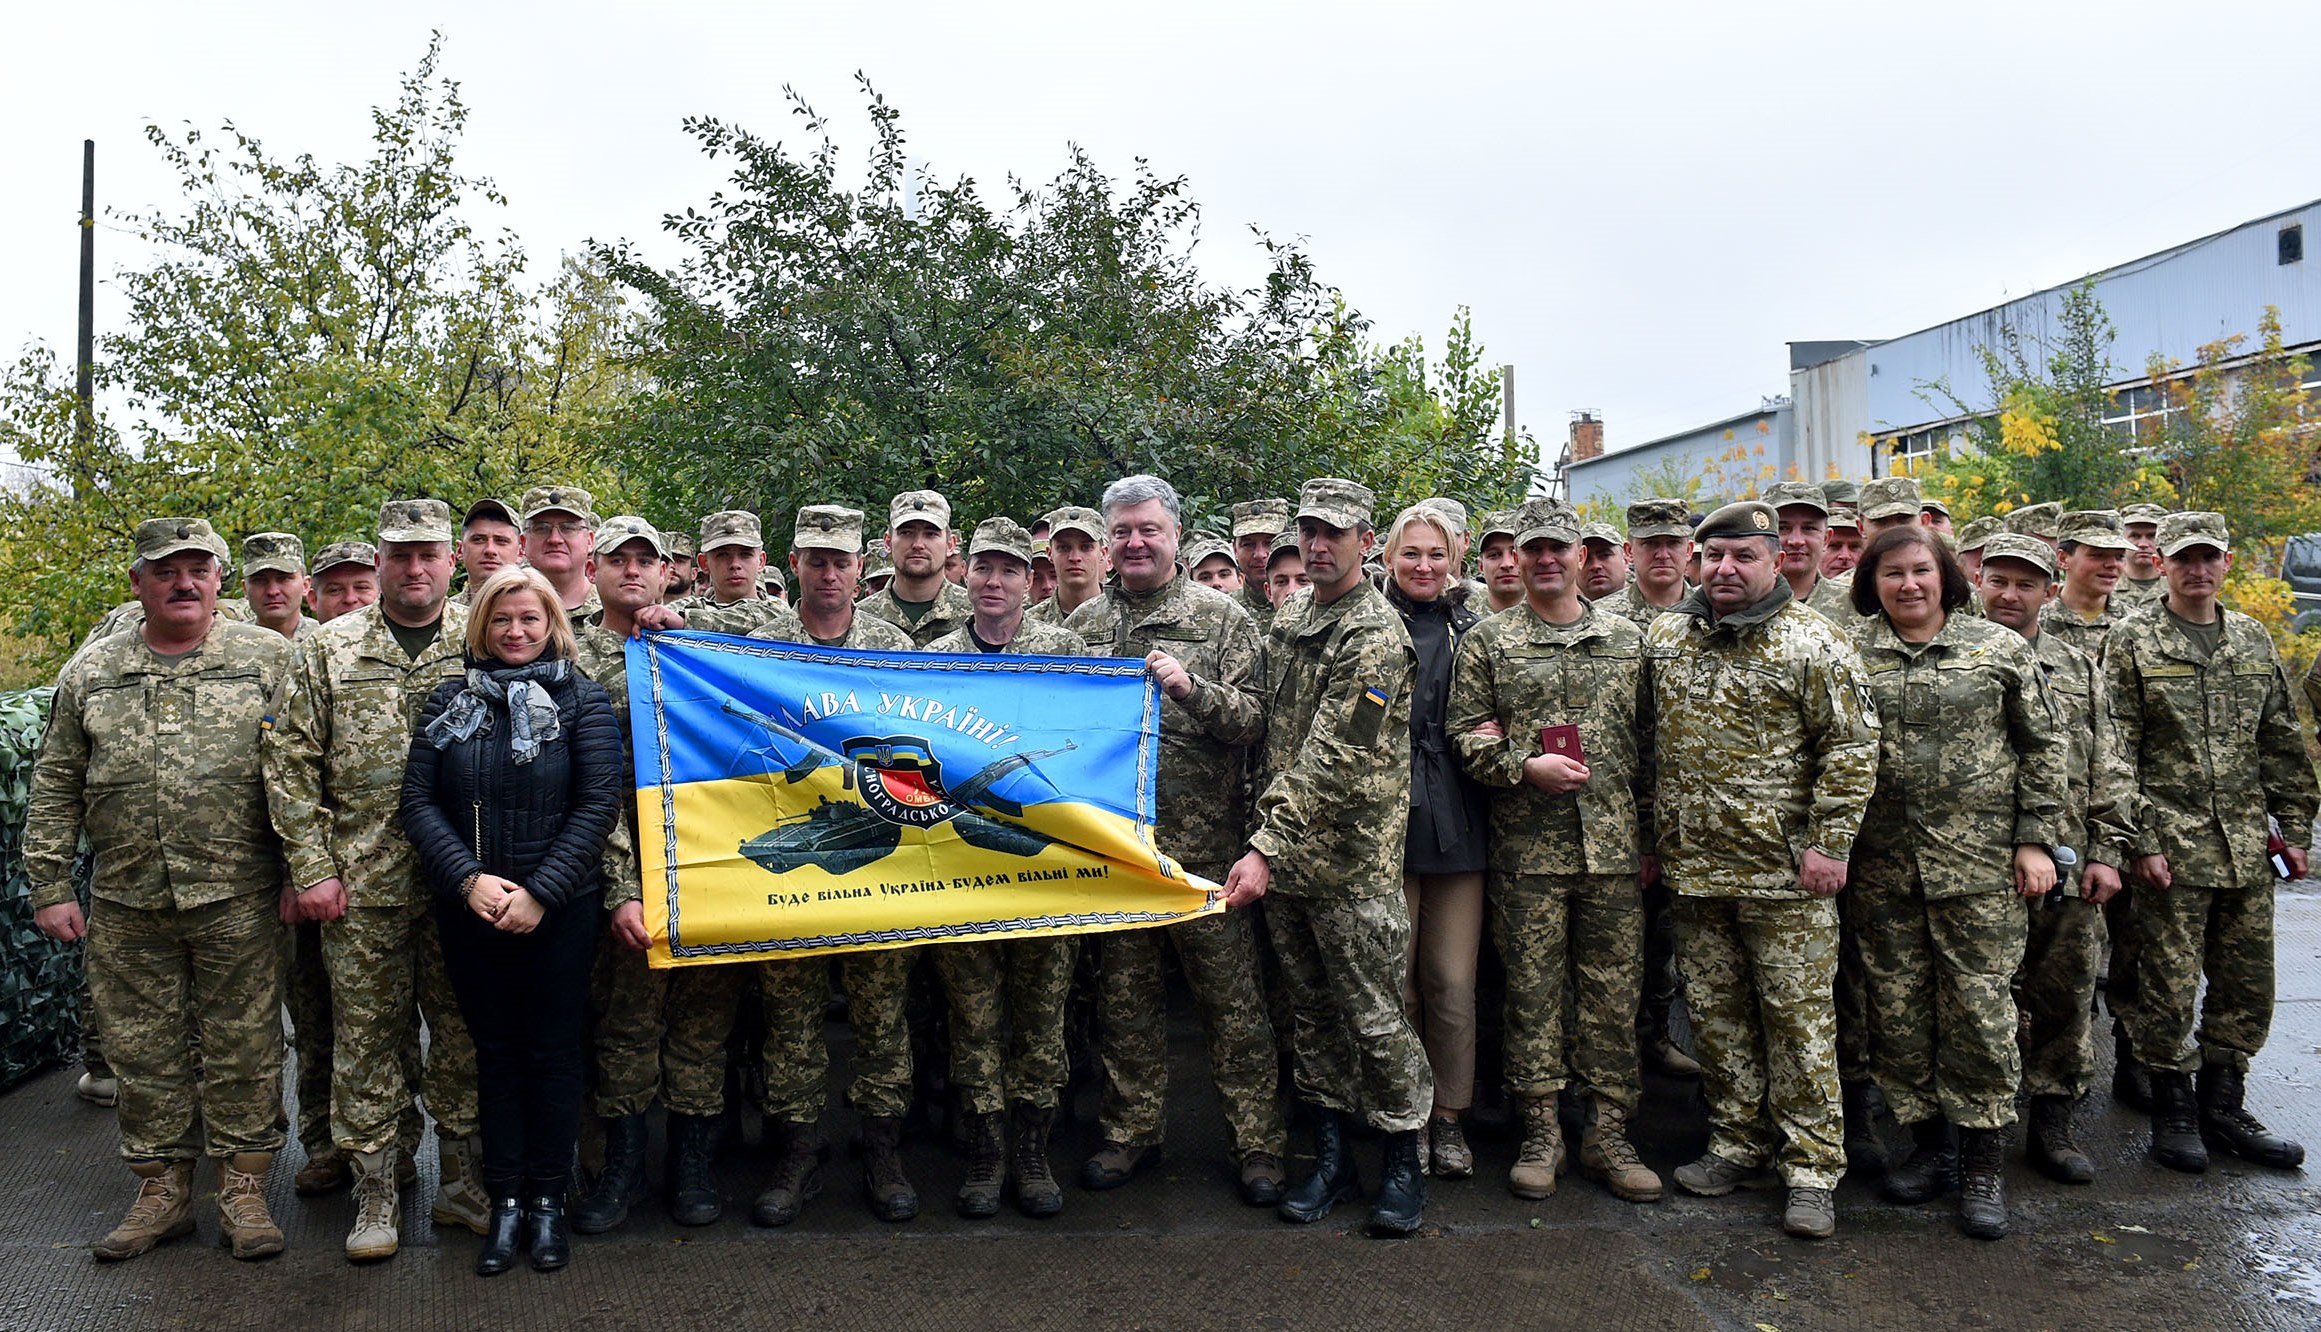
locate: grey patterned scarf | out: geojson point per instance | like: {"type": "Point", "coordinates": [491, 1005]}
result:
{"type": "Point", "coordinates": [524, 689]}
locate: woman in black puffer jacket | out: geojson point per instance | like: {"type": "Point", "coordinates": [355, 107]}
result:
{"type": "Point", "coordinates": [514, 779]}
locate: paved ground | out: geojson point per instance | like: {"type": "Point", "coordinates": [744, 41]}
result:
{"type": "Point", "coordinates": [2239, 1247]}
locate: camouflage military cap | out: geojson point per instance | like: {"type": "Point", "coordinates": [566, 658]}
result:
{"type": "Point", "coordinates": [2182, 531]}
{"type": "Point", "coordinates": [2100, 529]}
{"type": "Point", "coordinates": [1746, 518]}
{"type": "Point", "coordinates": [415, 520]}
{"type": "Point", "coordinates": [1498, 522]}
{"type": "Point", "coordinates": [160, 537]}
{"type": "Point", "coordinates": [1450, 509]}
{"type": "Point", "coordinates": [1603, 532]}
{"type": "Point", "coordinates": [1975, 533]}
{"type": "Point", "coordinates": [550, 499]}
{"type": "Point", "coordinates": [344, 552]}
{"type": "Point", "coordinates": [2015, 546]}
{"type": "Point", "coordinates": [1263, 517]}
{"type": "Point", "coordinates": [1336, 501]}
{"type": "Point", "coordinates": [2147, 513]}
{"type": "Point", "coordinates": [770, 579]}
{"type": "Point", "coordinates": [1929, 504]}
{"type": "Point", "coordinates": [731, 527]}
{"type": "Point", "coordinates": [1841, 494]}
{"type": "Point", "coordinates": [2035, 520]}
{"type": "Point", "coordinates": [1658, 517]}
{"type": "Point", "coordinates": [876, 563]}
{"type": "Point", "coordinates": [1207, 547]}
{"type": "Point", "coordinates": [680, 545]}
{"type": "Point", "coordinates": [615, 533]}
{"type": "Point", "coordinates": [1075, 518]}
{"type": "Point", "coordinates": [273, 552]}
{"type": "Point", "coordinates": [919, 506]}
{"type": "Point", "coordinates": [1548, 520]}
{"type": "Point", "coordinates": [498, 510]}
{"type": "Point", "coordinates": [1000, 536]}
{"type": "Point", "coordinates": [1889, 497]}
{"type": "Point", "coordinates": [1843, 517]}
{"type": "Point", "coordinates": [1284, 543]}
{"type": "Point", "coordinates": [1782, 494]}
{"type": "Point", "coordinates": [828, 527]}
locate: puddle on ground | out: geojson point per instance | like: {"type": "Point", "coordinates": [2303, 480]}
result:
{"type": "Point", "coordinates": [1741, 1271]}
{"type": "Point", "coordinates": [2136, 1246]}
{"type": "Point", "coordinates": [2283, 1258]}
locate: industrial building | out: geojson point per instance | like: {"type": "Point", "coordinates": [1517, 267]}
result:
{"type": "Point", "coordinates": [1852, 407]}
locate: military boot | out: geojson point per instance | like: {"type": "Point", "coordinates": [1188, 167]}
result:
{"type": "Point", "coordinates": [693, 1199]}
{"type": "Point", "coordinates": [1932, 1169]}
{"type": "Point", "coordinates": [2050, 1145]}
{"type": "Point", "coordinates": [2226, 1124]}
{"type": "Point", "coordinates": [244, 1225]}
{"type": "Point", "coordinates": [99, 1089]}
{"type": "Point", "coordinates": [1402, 1190]}
{"type": "Point", "coordinates": [1865, 1147]}
{"type": "Point", "coordinates": [377, 1232]}
{"type": "Point", "coordinates": [1036, 1192]}
{"type": "Point", "coordinates": [1446, 1151]}
{"type": "Point", "coordinates": [891, 1196]}
{"type": "Point", "coordinates": [986, 1166]}
{"type": "Point", "coordinates": [324, 1172]}
{"type": "Point", "coordinates": [2176, 1140]}
{"type": "Point", "coordinates": [1334, 1179]}
{"type": "Point", "coordinates": [1606, 1154]}
{"type": "Point", "coordinates": [797, 1177]}
{"type": "Point", "coordinates": [1540, 1159]}
{"type": "Point", "coordinates": [1982, 1193]}
{"type": "Point", "coordinates": [163, 1210]}
{"type": "Point", "coordinates": [619, 1186]}
{"type": "Point", "coordinates": [459, 1192]}
{"type": "Point", "coordinates": [2131, 1082]}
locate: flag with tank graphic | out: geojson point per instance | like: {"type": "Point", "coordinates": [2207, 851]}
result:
{"type": "Point", "coordinates": [795, 800]}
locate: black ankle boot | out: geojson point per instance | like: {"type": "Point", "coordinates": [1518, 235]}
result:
{"type": "Point", "coordinates": [2176, 1124]}
{"type": "Point", "coordinates": [544, 1232]}
{"type": "Point", "coordinates": [1982, 1196]}
{"type": "Point", "coordinates": [1932, 1169]}
{"type": "Point", "coordinates": [502, 1234]}
{"type": "Point", "coordinates": [1865, 1150]}
{"type": "Point", "coordinates": [693, 1199]}
{"type": "Point", "coordinates": [2226, 1124]}
{"type": "Point", "coordinates": [2051, 1146]}
{"type": "Point", "coordinates": [1334, 1179]}
{"type": "Point", "coordinates": [1402, 1194]}
{"type": "Point", "coordinates": [621, 1184]}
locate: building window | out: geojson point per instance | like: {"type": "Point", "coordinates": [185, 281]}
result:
{"type": "Point", "coordinates": [2292, 243]}
{"type": "Point", "coordinates": [2137, 410]}
{"type": "Point", "coordinates": [1922, 443]}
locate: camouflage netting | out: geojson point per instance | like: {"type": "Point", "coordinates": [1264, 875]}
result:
{"type": "Point", "coordinates": [40, 981]}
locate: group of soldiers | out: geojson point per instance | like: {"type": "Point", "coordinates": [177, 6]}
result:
{"type": "Point", "coordinates": [235, 767]}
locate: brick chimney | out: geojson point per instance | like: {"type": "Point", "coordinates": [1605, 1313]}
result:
{"type": "Point", "coordinates": [1587, 437]}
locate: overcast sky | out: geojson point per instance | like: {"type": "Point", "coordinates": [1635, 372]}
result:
{"type": "Point", "coordinates": [1642, 203]}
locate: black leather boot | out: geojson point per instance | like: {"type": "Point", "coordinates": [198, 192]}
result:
{"type": "Point", "coordinates": [891, 1196]}
{"type": "Point", "coordinates": [544, 1232]}
{"type": "Point", "coordinates": [502, 1234]}
{"type": "Point", "coordinates": [1865, 1149]}
{"type": "Point", "coordinates": [2051, 1147]}
{"type": "Point", "coordinates": [797, 1177]}
{"type": "Point", "coordinates": [1402, 1194]}
{"type": "Point", "coordinates": [1932, 1169]}
{"type": "Point", "coordinates": [621, 1184]}
{"type": "Point", "coordinates": [2131, 1082]}
{"type": "Point", "coordinates": [1982, 1195]}
{"type": "Point", "coordinates": [2226, 1124]}
{"type": "Point", "coordinates": [693, 1199]}
{"type": "Point", "coordinates": [2176, 1124]}
{"type": "Point", "coordinates": [1334, 1179]}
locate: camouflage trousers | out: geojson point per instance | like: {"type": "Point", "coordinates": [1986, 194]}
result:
{"type": "Point", "coordinates": [92, 1034]}
{"type": "Point", "coordinates": [1852, 994]}
{"type": "Point", "coordinates": [626, 998]}
{"type": "Point", "coordinates": [1942, 975]}
{"type": "Point", "coordinates": [795, 993]}
{"type": "Point", "coordinates": [697, 1021]}
{"type": "Point", "coordinates": [1006, 1000]}
{"type": "Point", "coordinates": [1342, 959]}
{"type": "Point", "coordinates": [2224, 935]}
{"type": "Point", "coordinates": [1580, 935]}
{"type": "Point", "coordinates": [386, 974]}
{"type": "Point", "coordinates": [1219, 957]}
{"type": "Point", "coordinates": [306, 994]}
{"type": "Point", "coordinates": [1757, 980]}
{"type": "Point", "coordinates": [2053, 991]}
{"type": "Point", "coordinates": [220, 966]}
{"type": "Point", "coordinates": [2121, 970]}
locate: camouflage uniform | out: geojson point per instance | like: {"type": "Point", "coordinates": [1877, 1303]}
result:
{"type": "Point", "coordinates": [1765, 746]}
{"type": "Point", "coordinates": [2214, 743]}
{"type": "Point", "coordinates": [1203, 816]}
{"type": "Point", "coordinates": [1972, 765]}
{"type": "Point", "coordinates": [1331, 816]}
{"type": "Point", "coordinates": [2137, 593]}
{"type": "Point", "coordinates": [1015, 987]}
{"type": "Point", "coordinates": [334, 766]}
{"type": "Point", "coordinates": [1629, 603]}
{"type": "Point", "coordinates": [950, 613]}
{"type": "Point", "coordinates": [157, 762]}
{"type": "Point", "coordinates": [1565, 907]}
{"type": "Point", "coordinates": [2085, 635]}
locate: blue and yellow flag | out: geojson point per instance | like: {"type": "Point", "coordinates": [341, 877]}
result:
{"type": "Point", "coordinates": [794, 800]}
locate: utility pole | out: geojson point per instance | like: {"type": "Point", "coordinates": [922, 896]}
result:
{"type": "Point", "coordinates": [1507, 408]}
{"type": "Point", "coordinates": [85, 381]}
